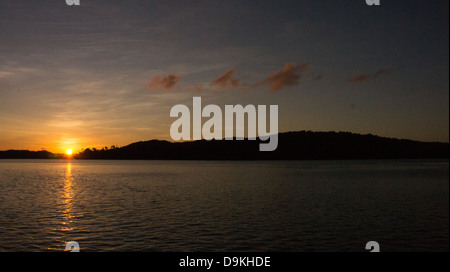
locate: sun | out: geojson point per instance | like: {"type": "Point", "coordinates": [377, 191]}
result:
{"type": "Point", "coordinates": [69, 151]}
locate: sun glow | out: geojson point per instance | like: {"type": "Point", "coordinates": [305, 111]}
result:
{"type": "Point", "coordinates": [69, 151]}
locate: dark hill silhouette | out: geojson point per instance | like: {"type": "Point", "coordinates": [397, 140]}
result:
{"type": "Point", "coordinates": [303, 145]}
{"type": "Point", "coordinates": [25, 154]}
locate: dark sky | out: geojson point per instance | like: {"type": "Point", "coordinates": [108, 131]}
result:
{"type": "Point", "coordinates": [108, 72]}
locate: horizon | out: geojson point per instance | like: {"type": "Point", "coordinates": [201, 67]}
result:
{"type": "Point", "coordinates": [107, 72]}
{"type": "Point", "coordinates": [108, 147]}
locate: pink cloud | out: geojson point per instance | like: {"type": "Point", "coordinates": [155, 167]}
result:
{"type": "Point", "coordinates": [365, 77]}
{"type": "Point", "coordinates": [359, 78]}
{"type": "Point", "coordinates": [165, 83]}
{"type": "Point", "coordinates": [288, 76]}
{"type": "Point", "coordinates": [226, 80]}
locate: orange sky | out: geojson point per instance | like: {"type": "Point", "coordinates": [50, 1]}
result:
{"type": "Point", "coordinates": [99, 75]}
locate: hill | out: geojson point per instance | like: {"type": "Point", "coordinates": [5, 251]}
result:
{"type": "Point", "coordinates": [302, 145]}
{"type": "Point", "coordinates": [26, 154]}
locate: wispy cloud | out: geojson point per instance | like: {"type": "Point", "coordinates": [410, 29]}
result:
{"type": "Point", "coordinates": [365, 77]}
{"type": "Point", "coordinates": [4, 74]}
{"type": "Point", "coordinates": [165, 83]}
{"type": "Point", "coordinates": [15, 70]}
{"type": "Point", "coordinates": [196, 88]}
{"type": "Point", "coordinates": [359, 78]}
{"type": "Point", "coordinates": [226, 80]}
{"type": "Point", "coordinates": [381, 72]}
{"type": "Point", "coordinates": [288, 76]}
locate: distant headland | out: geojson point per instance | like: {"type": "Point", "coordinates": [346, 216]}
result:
{"type": "Point", "coordinates": [300, 145]}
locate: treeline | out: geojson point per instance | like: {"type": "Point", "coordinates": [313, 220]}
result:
{"type": "Point", "coordinates": [303, 145]}
{"type": "Point", "coordinates": [26, 154]}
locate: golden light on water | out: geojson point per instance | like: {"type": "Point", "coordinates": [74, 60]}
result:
{"type": "Point", "coordinates": [67, 200]}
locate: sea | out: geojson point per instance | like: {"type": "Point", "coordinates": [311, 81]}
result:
{"type": "Point", "coordinates": [224, 206]}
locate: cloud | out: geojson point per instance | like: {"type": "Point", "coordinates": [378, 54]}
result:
{"type": "Point", "coordinates": [11, 70]}
{"type": "Point", "coordinates": [4, 74]}
{"type": "Point", "coordinates": [365, 77]}
{"type": "Point", "coordinates": [165, 83]}
{"type": "Point", "coordinates": [288, 76]}
{"type": "Point", "coordinates": [381, 72]}
{"type": "Point", "coordinates": [226, 80]}
{"type": "Point", "coordinates": [359, 78]}
{"type": "Point", "coordinates": [196, 88]}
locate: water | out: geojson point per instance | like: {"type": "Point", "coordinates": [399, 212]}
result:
{"type": "Point", "coordinates": [224, 206]}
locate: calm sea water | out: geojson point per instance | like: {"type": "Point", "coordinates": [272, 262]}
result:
{"type": "Point", "coordinates": [224, 206]}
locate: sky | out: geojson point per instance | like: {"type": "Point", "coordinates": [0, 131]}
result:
{"type": "Point", "coordinates": [107, 72]}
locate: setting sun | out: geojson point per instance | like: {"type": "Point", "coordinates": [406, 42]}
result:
{"type": "Point", "coordinates": [69, 151]}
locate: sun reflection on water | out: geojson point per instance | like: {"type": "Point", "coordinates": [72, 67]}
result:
{"type": "Point", "coordinates": [67, 198]}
